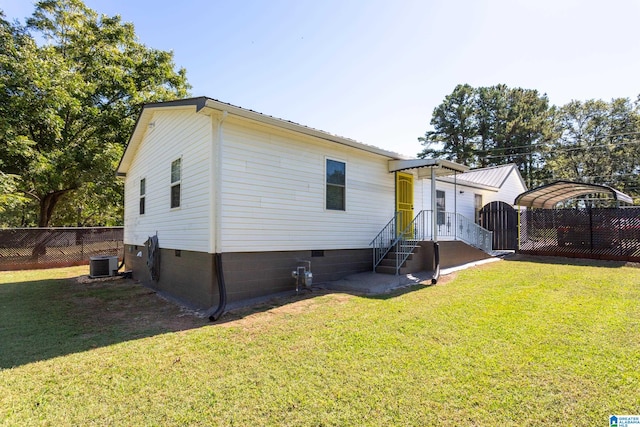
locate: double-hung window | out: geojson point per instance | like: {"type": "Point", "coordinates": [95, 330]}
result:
{"type": "Point", "coordinates": [176, 180]}
{"type": "Point", "coordinates": [143, 195]}
{"type": "Point", "coordinates": [336, 185]}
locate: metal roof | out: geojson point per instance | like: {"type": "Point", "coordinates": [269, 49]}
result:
{"type": "Point", "coordinates": [201, 103]}
{"type": "Point", "coordinates": [491, 178]}
{"type": "Point", "coordinates": [547, 196]}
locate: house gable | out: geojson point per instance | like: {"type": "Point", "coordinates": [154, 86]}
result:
{"type": "Point", "coordinates": [170, 134]}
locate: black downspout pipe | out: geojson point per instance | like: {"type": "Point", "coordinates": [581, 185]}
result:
{"type": "Point", "coordinates": [222, 290]}
{"type": "Point", "coordinates": [436, 261]}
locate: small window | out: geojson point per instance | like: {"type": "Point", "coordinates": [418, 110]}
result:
{"type": "Point", "coordinates": [176, 179]}
{"type": "Point", "coordinates": [441, 206]}
{"type": "Point", "coordinates": [143, 193]}
{"type": "Point", "coordinates": [477, 198]}
{"type": "Point", "coordinates": [335, 176]}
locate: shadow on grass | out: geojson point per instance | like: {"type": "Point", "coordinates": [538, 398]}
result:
{"type": "Point", "coordinates": [395, 293]}
{"type": "Point", "coordinates": [558, 260]}
{"type": "Point", "coordinates": [44, 319]}
{"type": "Point", "coordinates": [295, 303]}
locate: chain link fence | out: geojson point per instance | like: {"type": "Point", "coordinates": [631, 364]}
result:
{"type": "Point", "coordinates": [31, 248]}
{"type": "Point", "coordinates": [612, 234]}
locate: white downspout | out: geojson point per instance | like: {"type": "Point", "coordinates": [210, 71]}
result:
{"type": "Point", "coordinates": [213, 220]}
{"type": "Point", "coordinates": [215, 312]}
{"type": "Point", "coordinates": [218, 187]}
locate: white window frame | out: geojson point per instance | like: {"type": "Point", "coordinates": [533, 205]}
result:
{"type": "Point", "coordinates": [176, 183]}
{"type": "Point", "coordinates": [142, 204]}
{"type": "Point", "coordinates": [326, 184]}
{"type": "Point", "coordinates": [441, 209]}
{"type": "Point", "coordinates": [476, 208]}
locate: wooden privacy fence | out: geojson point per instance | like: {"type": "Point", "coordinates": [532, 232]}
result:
{"type": "Point", "coordinates": [612, 234]}
{"type": "Point", "coordinates": [29, 248]}
{"type": "Point", "coordinates": [502, 219]}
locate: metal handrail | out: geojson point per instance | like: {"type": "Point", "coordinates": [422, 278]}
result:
{"type": "Point", "coordinates": [448, 225]}
{"type": "Point", "coordinates": [461, 228]}
{"type": "Point", "coordinates": [408, 239]}
{"type": "Point", "coordinates": [473, 234]}
{"type": "Point", "coordinates": [384, 241]}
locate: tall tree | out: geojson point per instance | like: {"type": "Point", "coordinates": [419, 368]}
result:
{"type": "Point", "coordinates": [527, 130]}
{"type": "Point", "coordinates": [490, 126]}
{"type": "Point", "coordinates": [598, 143]}
{"type": "Point", "coordinates": [492, 109]}
{"type": "Point", "coordinates": [455, 127]}
{"type": "Point", "coordinates": [69, 104]}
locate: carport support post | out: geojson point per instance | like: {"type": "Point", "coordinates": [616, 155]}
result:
{"type": "Point", "coordinates": [590, 229]}
{"type": "Point", "coordinates": [519, 213]}
{"type": "Point", "coordinates": [434, 214]}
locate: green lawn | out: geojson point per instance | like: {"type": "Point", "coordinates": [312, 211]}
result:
{"type": "Point", "coordinates": [512, 343]}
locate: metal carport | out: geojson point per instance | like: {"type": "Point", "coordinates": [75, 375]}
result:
{"type": "Point", "coordinates": [548, 196]}
{"type": "Point", "coordinates": [585, 232]}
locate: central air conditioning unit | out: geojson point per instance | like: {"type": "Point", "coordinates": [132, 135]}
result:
{"type": "Point", "coordinates": [103, 266]}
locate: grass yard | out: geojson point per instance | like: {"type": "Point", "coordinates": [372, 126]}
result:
{"type": "Point", "coordinates": [512, 343]}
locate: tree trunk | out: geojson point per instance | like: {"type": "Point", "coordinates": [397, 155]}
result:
{"type": "Point", "coordinates": [48, 204]}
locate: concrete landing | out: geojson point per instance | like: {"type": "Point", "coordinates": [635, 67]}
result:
{"type": "Point", "coordinates": [370, 283]}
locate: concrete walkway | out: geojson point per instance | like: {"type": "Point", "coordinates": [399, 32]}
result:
{"type": "Point", "coordinates": [371, 283]}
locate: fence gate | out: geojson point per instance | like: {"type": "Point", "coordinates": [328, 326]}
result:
{"type": "Point", "coordinates": [502, 219]}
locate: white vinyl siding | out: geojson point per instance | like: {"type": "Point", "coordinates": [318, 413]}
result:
{"type": "Point", "coordinates": [273, 192]}
{"type": "Point", "coordinates": [175, 134]}
{"type": "Point", "coordinates": [511, 188]}
{"type": "Point", "coordinates": [461, 198]}
{"type": "Point", "coordinates": [454, 201]}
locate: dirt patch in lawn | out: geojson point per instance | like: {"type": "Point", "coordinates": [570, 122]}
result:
{"type": "Point", "coordinates": [248, 317]}
{"type": "Point", "coordinates": [135, 308]}
{"type": "Point", "coordinates": [123, 302]}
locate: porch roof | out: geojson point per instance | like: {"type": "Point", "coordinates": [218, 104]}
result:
{"type": "Point", "coordinates": [442, 167]}
{"type": "Point", "coordinates": [547, 196]}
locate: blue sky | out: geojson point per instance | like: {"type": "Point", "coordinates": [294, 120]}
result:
{"type": "Point", "coordinates": [374, 70]}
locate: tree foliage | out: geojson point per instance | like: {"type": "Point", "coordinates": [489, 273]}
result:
{"type": "Point", "coordinates": [455, 125]}
{"type": "Point", "coordinates": [592, 141]}
{"type": "Point", "coordinates": [68, 106]}
{"type": "Point", "coordinates": [597, 142]}
{"type": "Point", "coordinates": [490, 126]}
